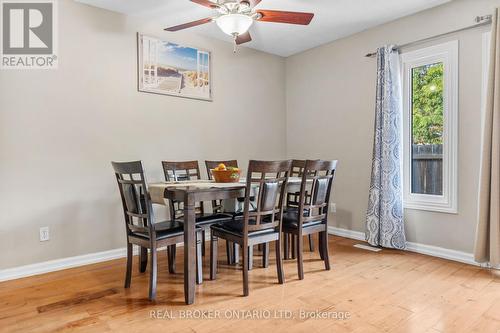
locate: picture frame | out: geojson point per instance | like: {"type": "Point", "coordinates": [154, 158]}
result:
{"type": "Point", "coordinates": [172, 69]}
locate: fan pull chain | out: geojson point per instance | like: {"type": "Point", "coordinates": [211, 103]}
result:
{"type": "Point", "coordinates": [234, 43]}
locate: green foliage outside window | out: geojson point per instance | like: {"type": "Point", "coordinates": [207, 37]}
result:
{"type": "Point", "coordinates": [427, 99]}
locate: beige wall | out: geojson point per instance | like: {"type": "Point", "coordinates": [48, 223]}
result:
{"type": "Point", "coordinates": [59, 130]}
{"type": "Point", "coordinates": [330, 114]}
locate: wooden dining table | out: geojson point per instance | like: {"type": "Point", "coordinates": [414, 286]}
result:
{"type": "Point", "coordinates": [191, 192]}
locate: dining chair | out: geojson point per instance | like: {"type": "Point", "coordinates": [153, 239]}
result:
{"type": "Point", "coordinates": [232, 249]}
{"type": "Point", "coordinates": [190, 170]}
{"type": "Point", "coordinates": [267, 181]}
{"type": "Point", "coordinates": [292, 201]}
{"type": "Point", "coordinates": [141, 227]}
{"type": "Point", "coordinates": [311, 215]}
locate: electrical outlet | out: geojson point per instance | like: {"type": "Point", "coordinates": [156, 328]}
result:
{"type": "Point", "coordinates": [333, 208]}
{"type": "Point", "coordinates": [44, 234]}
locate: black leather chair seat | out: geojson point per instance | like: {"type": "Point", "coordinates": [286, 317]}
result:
{"type": "Point", "coordinates": [235, 227]}
{"type": "Point", "coordinates": [291, 219]}
{"type": "Point", "coordinates": [165, 229]}
{"type": "Point", "coordinates": [210, 218]}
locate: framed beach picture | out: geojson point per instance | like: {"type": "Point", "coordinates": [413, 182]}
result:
{"type": "Point", "coordinates": [172, 69]}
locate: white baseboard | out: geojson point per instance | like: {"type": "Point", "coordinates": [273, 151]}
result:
{"type": "Point", "coordinates": [440, 252]}
{"type": "Point", "coordinates": [92, 258]}
{"type": "Point", "coordinates": [435, 251]}
{"type": "Point", "coordinates": [70, 262]}
{"type": "Point", "coordinates": [357, 235]}
{"type": "Point", "coordinates": [59, 264]}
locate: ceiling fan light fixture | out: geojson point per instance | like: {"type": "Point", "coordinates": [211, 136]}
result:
{"type": "Point", "coordinates": [234, 24]}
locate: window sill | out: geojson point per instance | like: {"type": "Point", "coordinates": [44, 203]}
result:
{"type": "Point", "coordinates": [431, 207]}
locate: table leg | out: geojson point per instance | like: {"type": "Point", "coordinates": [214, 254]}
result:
{"type": "Point", "coordinates": [265, 255]}
{"type": "Point", "coordinates": [229, 252]}
{"type": "Point", "coordinates": [236, 253]}
{"type": "Point", "coordinates": [143, 259]}
{"type": "Point", "coordinates": [250, 257]}
{"type": "Point", "coordinates": [286, 240]}
{"type": "Point", "coordinates": [189, 249]}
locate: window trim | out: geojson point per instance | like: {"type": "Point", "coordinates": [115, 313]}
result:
{"type": "Point", "coordinates": [447, 53]}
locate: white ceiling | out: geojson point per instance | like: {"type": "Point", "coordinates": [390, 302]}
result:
{"type": "Point", "coordinates": [333, 19]}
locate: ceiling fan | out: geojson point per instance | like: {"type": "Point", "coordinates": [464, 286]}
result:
{"type": "Point", "coordinates": [234, 17]}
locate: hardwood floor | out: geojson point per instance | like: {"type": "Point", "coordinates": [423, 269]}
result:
{"type": "Point", "coordinates": [388, 291]}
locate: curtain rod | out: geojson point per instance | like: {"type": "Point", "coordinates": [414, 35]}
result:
{"type": "Point", "coordinates": [480, 21]}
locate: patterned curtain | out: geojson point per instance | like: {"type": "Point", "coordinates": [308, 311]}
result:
{"type": "Point", "coordinates": [384, 218]}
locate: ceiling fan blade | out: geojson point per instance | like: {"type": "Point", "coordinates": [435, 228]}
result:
{"type": "Point", "coordinates": [252, 3]}
{"type": "Point", "coordinates": [244, 38]}
{"type": "Point", "coordinates": [189, 24]}
{"type": "Point", "coordinates": [205, 3]}
{"type": "Point", "coordinates": [285, 17]}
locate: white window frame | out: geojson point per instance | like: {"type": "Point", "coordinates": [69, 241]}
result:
{"type": "Point", "coordinates": [447, 53]}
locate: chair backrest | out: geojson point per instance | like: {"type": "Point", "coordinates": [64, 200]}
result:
{"type": "Point", "coordinates": [213, 164]}
{"type": "Point", "coordinates": [292, 199]}
{"type": "Point", "coordinates": [297, 168]}
{"type": "Point", "coordinates": [217, 204]}
{"type": "Point", "coordinates": [315, 189]}
{"type": "Point", "coordinates": [266, 182]}
{"type": "Point", "coordinates": [137, 207]}
{"type": "Point", "coordinates": [178, 171]}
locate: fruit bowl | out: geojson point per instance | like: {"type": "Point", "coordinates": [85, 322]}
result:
{"type": "Point", "coordinates": [229, 175]}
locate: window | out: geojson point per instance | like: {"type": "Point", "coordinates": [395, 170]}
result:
{"type": "Point", "coordinates": [203, 68]}
{"type": "Point", "coordinates": [430, 104]}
